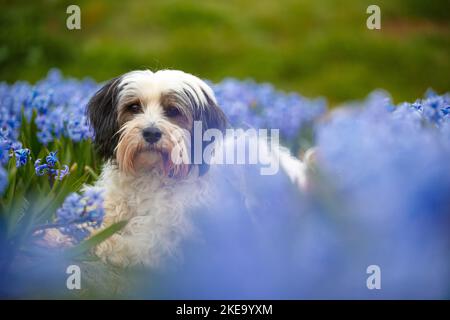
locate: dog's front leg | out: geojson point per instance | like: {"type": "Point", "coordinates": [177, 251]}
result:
{"type": "Point", "coordinates": [115, 251]}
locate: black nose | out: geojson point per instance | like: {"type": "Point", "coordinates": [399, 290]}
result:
{"type": "Point", "coordinates": [151, 135]}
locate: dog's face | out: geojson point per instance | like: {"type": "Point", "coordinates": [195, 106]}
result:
{"type": "Point", "coordinates": [141, 117]}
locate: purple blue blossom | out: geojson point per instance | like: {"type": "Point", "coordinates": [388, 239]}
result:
{"type": "Point", "coordinates": [39, 168]}
{"type": "Point", "coordinates": [49, 167]}
{"type": "Point", "coordinates": [249, 104]}
{"type": "Point", "coordinates": [7, 144]}
{"type": "Point", "coordinates": [22, 156]}
{"type": "Point", "coordinates": [61, 173]}
{"type": "Point", "coordinates": [380, 194]}
{"type": "Point", "coordinates": [59, 105]}
{"type": "Point", "coordinates": [51, 159]}
{"type": "Point", "coordinates": [386, 170]}
{"type": "Point", "coordinates": [80, 213]}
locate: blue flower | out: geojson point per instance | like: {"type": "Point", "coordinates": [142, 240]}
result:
{"type": "Point", "coordinates": [76, 231]}
{"type": "Point", "coordinates": [45, 137]}
{"type": "Point", "coordinates": [7, 144]}
{"type": "Point", "coordinates": [58, 103]}
{"type": "Point", "coordinates": [60, 106]}
{"type": "Point", "coordinates": [60, 174]}
{"type": "Point", "coordinates": [21, 156]}
{"type": "Point", "coordinates": [380, 195]}
{"type": "Point", "coordinates": [80, 213]}
{"type": "Point", "coordinates": [49, 167]}
{"type": "Point", "coordinates": [71, 210]}
{"type": "Point", "coordinates": [39, 168]}
{"type": "Point", "coordinates": [247, 103]}
{"type": "Point", "coordinates": [51, 159]}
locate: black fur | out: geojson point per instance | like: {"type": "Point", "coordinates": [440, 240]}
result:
{"type": "Point", "coordinates": [102, 115]}
{"type": "Point", "coordinates": [211, 116]}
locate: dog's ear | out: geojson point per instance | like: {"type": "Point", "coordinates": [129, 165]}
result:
{"type": "Point", "coordinates": [212, 117]}
{"type": "Point", "coordinates": [102, 115]}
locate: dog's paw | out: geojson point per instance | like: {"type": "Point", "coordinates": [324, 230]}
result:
{"type": "Point", "coordinates": [113, 251]}
{"type": "Point", "coordinates": [53, 238]}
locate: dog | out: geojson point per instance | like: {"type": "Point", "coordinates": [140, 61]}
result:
{"type": "Point", "coordinates": [144, 125]}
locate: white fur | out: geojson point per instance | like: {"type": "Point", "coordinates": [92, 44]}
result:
{"type": "Point", "coordinates": [158, 209]}
{"type": "Point", "coordinates": [156, 206]}
{"type": "Point", "coordinates": [152, 84]}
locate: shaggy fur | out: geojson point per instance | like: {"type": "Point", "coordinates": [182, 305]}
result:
{"type": "Point", "coordinates": [156, 208]}
{"type": "Point", "coordinates": [142, 182]}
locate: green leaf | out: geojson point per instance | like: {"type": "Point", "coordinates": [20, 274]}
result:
{"type": "Point", "coordinates": [10, 193]}
{"type": "Point", "coordinates": [91, 171]}
{"type": "Point", "coordinates": [95, 240]}
{"type": "Point", "coordinates": [17, 212]}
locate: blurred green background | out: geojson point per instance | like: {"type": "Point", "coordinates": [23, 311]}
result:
{"type": "Point", "coordinates": [313, 47]}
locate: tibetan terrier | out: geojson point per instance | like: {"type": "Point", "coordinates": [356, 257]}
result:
{"type": "Point", "coordinates": [143, 124]}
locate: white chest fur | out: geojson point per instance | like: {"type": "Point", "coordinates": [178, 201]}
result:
{"type": "Point", "coordinates": [157, 210]}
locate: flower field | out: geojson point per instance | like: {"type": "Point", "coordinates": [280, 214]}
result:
{"type": "Point", "coordinates": [379, 190]}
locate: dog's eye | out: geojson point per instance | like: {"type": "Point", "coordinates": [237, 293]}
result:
{"type": "Point", "coordinates": [135, 108]}
{"type": "Point", "coordinates": [172, 112]}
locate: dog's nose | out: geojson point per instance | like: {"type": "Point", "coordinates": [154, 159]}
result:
{"type": "Point", "coordinates": [152, 134]}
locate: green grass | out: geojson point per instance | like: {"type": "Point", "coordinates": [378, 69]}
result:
{"type": "Point", "coordinates": [313, 47]}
